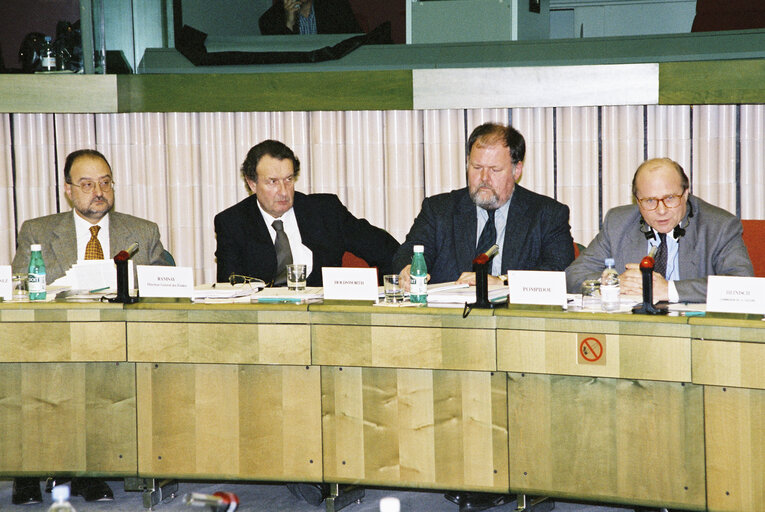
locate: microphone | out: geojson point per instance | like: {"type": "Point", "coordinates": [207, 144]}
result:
{"type": "Point", "coordinates": [486, 256]}
{"type": "Point", "coordinates": [126, 254]}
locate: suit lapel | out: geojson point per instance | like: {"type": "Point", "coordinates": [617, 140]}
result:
{"type": "Point", "coordinates": [465, 222]}
{"type": "Point", "coordinates": [119, 233]}
{"type": "Point", "coordinates": [687, 253]}
{"type": "Point", "coordinates": [515, 230]}
{"type": "Point", "coordinates": [256, 232]}
{"type": "Point", "coordinates": [63, 242]}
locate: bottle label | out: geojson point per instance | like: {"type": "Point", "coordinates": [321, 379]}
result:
{"type": "Point", "coordinates": [48, 62]}
{"type": "Point", "coordinates": [418, 286]}
{"type": "Point", "coordinates": [609, 293]}
{"type": "Point", "coordinates": [36, 283]}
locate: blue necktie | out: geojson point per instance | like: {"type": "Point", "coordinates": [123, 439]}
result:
{"type": "Point", "coordinates": [488, 235]}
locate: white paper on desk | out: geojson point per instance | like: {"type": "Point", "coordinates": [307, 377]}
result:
{"type": "Point", "coordinates": [6, 283]}
{"type": "Point", "coordinates": [540, 287]}
{"type": "Point", "coordinates": [346, 283]}
{"type": "Point", "coordinates": [163, 281]}
{"type": "Point", "coordinates": [730, 294]}
{"type": "Point", "coordinates": [285, 295]}
{"type": "Point", "coordinates": [223, 291]}
{"type": "Point", "coordinates": [463, 295]}
{"type": "Point", "coordinates": [94, 275]}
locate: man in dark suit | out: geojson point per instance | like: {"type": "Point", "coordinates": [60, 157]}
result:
{"type": "Point", "coordinates": [693, 238]}
{"type": "Point", "coordinates": [532, 230]}
{"type": "Point", "coordinates": [319, 229]}
{"type": "Point", "coordinates": [309, 17]}
{"type": "Point", "coordinates": [71, 236]}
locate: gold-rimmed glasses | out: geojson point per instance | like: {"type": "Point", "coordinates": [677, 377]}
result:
{"type": "Point", "coordinates": [670, 201]}
{"type": "Point", "coordinates": [87, 186]}
{"type": "Point", "coordinates": [252, 282]}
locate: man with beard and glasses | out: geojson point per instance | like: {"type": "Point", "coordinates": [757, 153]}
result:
{"type": "Point", "coordinates": [531, 230]}
{"type": "Point", "coordinates": [90, 231]}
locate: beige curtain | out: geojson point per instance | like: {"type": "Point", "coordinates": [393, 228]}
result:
{"type": "Point", "coordinates": [180, 169]}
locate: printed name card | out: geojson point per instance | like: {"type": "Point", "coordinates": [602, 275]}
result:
{"type": "Point", "coordinates": [159, 281]}
{"type": "Point", "coordinates": [6, 283]}
{"type": "Point", "coordinates": [342, 283]}
{"type": "Point", "coordinates": [537, 287]}
{"type": "Point", "coordinates": [729, 294]}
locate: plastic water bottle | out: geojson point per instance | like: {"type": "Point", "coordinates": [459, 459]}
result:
{"type": "Point", "coordinates": [61, 499]}
{"type": "Point", "coordinates": [390, 504]}
{"type": "Point", "coordinates": [48, 55]}
{"type": "Point", "coordinates": [418, 291]}
{"type": "Point", "coordinates": [36, 274]}
{"type": "Point", "coordinates": [609, 287]}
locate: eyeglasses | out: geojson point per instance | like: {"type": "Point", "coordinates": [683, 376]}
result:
{"type": "Point", "coordinates": [651, 203]}
{"type": "Point", "coordinates": [235, 279]}
{"type": "Point", "coordinates": [87, 186]}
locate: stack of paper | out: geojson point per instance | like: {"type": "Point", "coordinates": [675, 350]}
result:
{"type": "Point", "coordinates": [225, 292]}
{"type": "Point", "coordinates": [286, 296]}
{"type": "Point", "coordinates": [457, 295]}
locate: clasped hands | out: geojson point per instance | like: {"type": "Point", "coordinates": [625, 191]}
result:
{"type": "Point", "coordinates": [631, 283]}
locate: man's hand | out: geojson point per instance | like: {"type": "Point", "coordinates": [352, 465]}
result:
{"type": "Point", "coordinates": [631, 283]}
{"type": "Point", "coordinates": [469, 278]}
{"type": "Point", "coordinates": [405, 278]}
{"type": "Point", "coordinates": [291, 8]}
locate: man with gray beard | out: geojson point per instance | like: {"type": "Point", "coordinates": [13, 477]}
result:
{"type": "Point", "coordinates": [531, 230]}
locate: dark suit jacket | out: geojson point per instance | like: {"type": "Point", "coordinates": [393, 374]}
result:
{"type": "Point", "coordinates": [712, 245]}
{"type": "Point", "coordinates": [57, 236]}
{"type": "Point", "coordinates": [537, 236]}
{"type": "Point", "coordinates": [332, 17]}
{"type": "Point", "coordinates": [326, 227]}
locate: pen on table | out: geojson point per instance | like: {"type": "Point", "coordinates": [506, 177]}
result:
{"type": "Point", "coordinates": [99, 289]}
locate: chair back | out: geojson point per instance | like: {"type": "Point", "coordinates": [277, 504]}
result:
{"type": "Point", "coordinates": [754, 238]}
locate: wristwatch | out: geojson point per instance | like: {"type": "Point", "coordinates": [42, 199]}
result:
{"type": "Point", "coordinates": [503, 278]}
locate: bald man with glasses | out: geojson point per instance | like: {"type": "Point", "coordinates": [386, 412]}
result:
{"type": "Point", "coordinates": [693, 238]}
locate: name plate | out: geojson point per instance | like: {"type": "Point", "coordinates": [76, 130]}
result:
{"type": "Point", "coordinates": [343, 283]}
{"type": "Point", "coordinates": [6, 283]}
{"type": "Point", "coordinates": [537, 287]}
{"type": "Point", "coordinates": [729, 294]}
{"type": "Point", "coordinates": [159, 281]}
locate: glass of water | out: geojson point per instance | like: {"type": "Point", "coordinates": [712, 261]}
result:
{"type": "Point", "coordinates": [296, 277]}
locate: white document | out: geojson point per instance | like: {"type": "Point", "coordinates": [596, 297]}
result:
{"type": "Point", "coordinates": [729, 294]}
{"type": "Point", "coordinates": [6, 283]}
{"type": "Point", "coordinates": [346, 283]}
{"type": "Point", "coordinates": [446, 294]}
{"type": "Point", "coordinates": [540, 287]}
{"type": "Point", "coordinates": [162, 281]}
{"type": "Point", "coordinates": [94, 276]}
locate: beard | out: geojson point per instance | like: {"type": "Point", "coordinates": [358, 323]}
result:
{"type": "Point", "coordinates": [479, 198]}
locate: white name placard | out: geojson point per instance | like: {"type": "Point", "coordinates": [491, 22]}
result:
{"type": "Point", "coordinates": [537, 287]}
{"type": "Point", "coordinates": [6, 283]}
{"type": "Point", "coordinates": [159, 281]}
{"type": "Point", "coordinates": [343, 283]}
{"type": "Point", "coordinates": [729, 294]}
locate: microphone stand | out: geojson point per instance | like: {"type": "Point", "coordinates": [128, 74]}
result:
{"type": "Point", "coordinates": [647, 307]}
{"type": "Point", "coordinates": [481, 269]}
{"type": "Point", "coordinates": [121, 260]}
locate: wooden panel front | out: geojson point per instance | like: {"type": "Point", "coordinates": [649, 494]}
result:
{"type": "Point", "coordinates": [729, 363]}
{"type": "Point", "coordinates": [735, 437]}
{"type": "Point", "coordinates": [404, 347]}
{"type": "Point", "coordinates": [415, 428]}
{"type": "Point", "coordinates": [68, 418]}
{"type": "Point", "coordinates": [623, 356]}
{"type": "Point", "coordinates": [229, 421]}
{"type": "Point", "coordinates": [626, 441]}
{"type": "Point", "coordinates": [238, 343]}
{"type": "Point", "coordinates": [62, 341]}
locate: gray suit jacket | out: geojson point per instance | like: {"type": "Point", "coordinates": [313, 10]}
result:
{"type": "Point", "coordinates": [56, 234]}
{"type": "Point", "coordinates": [537, 236]}
{"type": "Point", "coordinates": [712, 245]}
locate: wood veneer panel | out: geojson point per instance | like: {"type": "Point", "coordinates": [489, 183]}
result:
{"type": "Point", "coordinates": [729, 363]}
{"type": "Point", "coordinates": [415, 428]}
{"type": "Point", "coordinates": [735, 437]}
{"type": "Point", "coordinates": [229, 421]}
{"type": "Point", "coordinates": [710, 82]}
{"type": "Point", "coordinates": [62, 341]}
{"type": "Point", "coordinates": [83, 418]}
{"type": "Point", "coordinates": [628, 441]}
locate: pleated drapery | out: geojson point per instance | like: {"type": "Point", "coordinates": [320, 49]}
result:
{"type": "Point", "coordinates": [180, 169]}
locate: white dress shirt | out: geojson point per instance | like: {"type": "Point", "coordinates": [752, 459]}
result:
{"type": "Point", "coordinates": [82, 229]}
{"type": "Point", "coordinates": [300, 253]}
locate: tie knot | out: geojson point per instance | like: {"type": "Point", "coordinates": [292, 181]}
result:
{"type": "Point", "coordinates": [491, 214]}
{"type": "Point", "coordinates": [663, 237]}
{"type": "Point", "coordinates": [278, 225]}
{"type": "Point", "coordinates": [94, 230]}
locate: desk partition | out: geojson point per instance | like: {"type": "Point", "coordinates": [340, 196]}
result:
{"type": "Point", "coordinates": [616, 408]}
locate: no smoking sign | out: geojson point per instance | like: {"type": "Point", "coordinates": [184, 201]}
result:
{"type": "Point", "coordinates": [591, 349]}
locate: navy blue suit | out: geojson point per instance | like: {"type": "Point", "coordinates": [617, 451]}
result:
{"type": "Point", "coordinates": [537, 236]}
{"type": "Point", "coordinates": [326, 227]}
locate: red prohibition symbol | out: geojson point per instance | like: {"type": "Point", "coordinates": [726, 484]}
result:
{"type": "Point", "coordinates": [591, 349]}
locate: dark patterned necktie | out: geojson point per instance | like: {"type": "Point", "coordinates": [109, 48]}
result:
{"type": "Point", "coordinates": [488, 235]}
{"type": "Point", "coordinates": [94, 251]}
{"type": "Point", "coordinates": [283, 253]}
{"type": "Point", "coordinates": [660, 261]}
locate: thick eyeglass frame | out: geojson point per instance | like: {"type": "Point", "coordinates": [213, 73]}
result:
{"type": "Point", "coordinates": [646, 202]}
{"type": "Point", "coordinates": [235, 279]}
{"type": "Point", "coordinates": [88, 186]}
